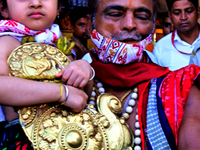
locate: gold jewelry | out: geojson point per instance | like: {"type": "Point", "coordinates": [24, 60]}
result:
{"type": "Point", "coordinates": [93, 74]}
{"type": "Point", "coordinates": [61, 91]}
{"type": "Point", "coordinates": [66, 93]}
{"type": "Point", "coordinates": [125, 95]}
{"type": "Point", "coordinates": [85, 130]}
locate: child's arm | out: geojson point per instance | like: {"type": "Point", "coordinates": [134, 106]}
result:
{"type": "Point", "coordinates": [20, 92]}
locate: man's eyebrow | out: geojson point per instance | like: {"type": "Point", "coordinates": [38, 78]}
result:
{"type": "Point", "coordinates": [143, 9]}
{"type": "Point", "coordinates": [116, 7]}
{"type": "Point", "coordinates": [178, 9]}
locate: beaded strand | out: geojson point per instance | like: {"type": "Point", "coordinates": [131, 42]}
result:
{"type": "Point", "coordinates": [128, 110]}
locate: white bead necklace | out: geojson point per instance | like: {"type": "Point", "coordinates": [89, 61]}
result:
{"type": "Point", "coordinates": [128, 110]}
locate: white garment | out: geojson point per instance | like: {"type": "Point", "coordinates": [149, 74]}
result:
{"type": "Point", "coordinates": [168, 56]}
{"type": "Point", "coordinates": [196, 58]}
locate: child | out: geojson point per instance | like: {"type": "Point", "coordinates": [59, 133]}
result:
{"type": "Point", "coordinates": [35, 18]}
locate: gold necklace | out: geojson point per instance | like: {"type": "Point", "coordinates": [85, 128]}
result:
{"type": "Point", "coordinates": [131, 103]}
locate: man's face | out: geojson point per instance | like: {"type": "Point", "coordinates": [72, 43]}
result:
{"type": "Point", "coordinates": [184, 15]}
{"type": "Point", "coordinates": [82, 28]}
{"type": "Point", "coordinates": [168, 26]}
{"type": "Point", "coordinates": [127, 21]}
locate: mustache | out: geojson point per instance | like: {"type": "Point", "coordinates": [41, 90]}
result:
{"type": "Point", "coordinates": [185, 21]}
{"type": "Point", "coordinates": [121, 36]}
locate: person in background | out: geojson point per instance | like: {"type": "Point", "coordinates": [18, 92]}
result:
{"type": "Point", "coordinates": [81, 27]}
{"type": "Point", "coordinates": [174, 50]}
{"type": "Point", "coordinates": [167, 24]}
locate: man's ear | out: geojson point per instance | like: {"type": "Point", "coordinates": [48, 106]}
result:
{"type": "Point", "coordinates": [198, 10]}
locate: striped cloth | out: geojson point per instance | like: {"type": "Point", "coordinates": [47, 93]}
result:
{"type": "Point", "coordinates": [155, 132]}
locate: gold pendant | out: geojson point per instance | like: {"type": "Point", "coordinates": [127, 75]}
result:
{"type": "Point", "coordinates": [53, 126]}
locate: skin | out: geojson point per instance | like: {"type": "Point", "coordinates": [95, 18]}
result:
{"type": "Point", "coordinates": [81, 31]}
{"type": "Point", "coordinates": [125, 20]}
{"type": "Point", "coordinates": [189, 129]}
{"type": "Point", "coordinates": [38, 15]}
{"type": "Point", "coordinates": [184, 16]}
{"type": "Point", "coordinates": [35, 14]}
{"type": "Point", "coordinates": [117, 17]}
{"type": "Point", "coordinates": [82, 28]}
{"type": "Point", "coordinates": [168, 26]}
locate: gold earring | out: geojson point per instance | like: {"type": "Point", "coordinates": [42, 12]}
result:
{"type": "Point", "coordinates": [58, 15]}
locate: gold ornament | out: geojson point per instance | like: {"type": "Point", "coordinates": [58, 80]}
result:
{"type": "Point", "coordinates": [53, 126]}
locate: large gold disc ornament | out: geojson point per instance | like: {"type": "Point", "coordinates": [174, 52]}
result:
{"type": "Point", "coordinates": [55, 127]}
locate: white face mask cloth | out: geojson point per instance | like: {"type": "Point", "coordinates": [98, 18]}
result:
{"type": "Point", "coordinates": [112, 51]}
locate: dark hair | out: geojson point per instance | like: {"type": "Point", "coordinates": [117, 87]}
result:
{"type": "Point", "coordinates": [164, 15]}
{"type": "Point", "coordinates": [76, 13]}
{"type": "Point", "coordinates": [170, 3]}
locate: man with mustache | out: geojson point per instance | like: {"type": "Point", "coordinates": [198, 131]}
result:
{"type": "Point", "coordinates": [153, 98]}
{"type": "Point", "coordinates": [81, 27]}
{"type": "Point", "coordinates": [175, 49]}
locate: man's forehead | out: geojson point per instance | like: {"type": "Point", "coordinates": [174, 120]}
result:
{"type": "Point", "coordinates": [130, 4]}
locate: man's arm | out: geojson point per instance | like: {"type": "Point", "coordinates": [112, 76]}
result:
{"type": "Point", "coordinates": [188, 138]}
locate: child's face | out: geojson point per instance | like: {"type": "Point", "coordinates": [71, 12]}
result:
{"type": "Point", "coordinates": [35, 14]}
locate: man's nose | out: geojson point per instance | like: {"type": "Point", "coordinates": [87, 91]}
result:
{"type": "Point", "coordinates": [35, 3]}
{"type": "Point", "coordinates": [128, 22]}
{"type": "Point", "coordinates": [183, 15]}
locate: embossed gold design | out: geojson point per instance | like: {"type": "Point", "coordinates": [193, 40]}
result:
{"type": "Point", "coordinates": [36, 60]}
{"type": "Point", "coordinates": [53, 126]}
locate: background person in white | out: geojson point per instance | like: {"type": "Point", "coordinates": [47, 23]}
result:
{"type": "Point", "coordinates": [174, 50]}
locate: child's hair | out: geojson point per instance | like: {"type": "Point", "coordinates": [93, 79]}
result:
{"type": "Point", "coordinates": [63, 3]}
{"type": "Point", "coordinates": [170, 3]}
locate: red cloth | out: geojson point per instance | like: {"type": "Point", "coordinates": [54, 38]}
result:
{"type": "Point", "coordinates": [126, 76]}
{"type": "Point", "coordinates": [174, 92]}
{"type": "Point", "coordinates": [174, 89]}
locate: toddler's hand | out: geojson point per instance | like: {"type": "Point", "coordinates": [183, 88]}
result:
{"type": "Point", "coordinates": [76, 74]}
{"type": "Point", "coordinates": [77, 99]}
